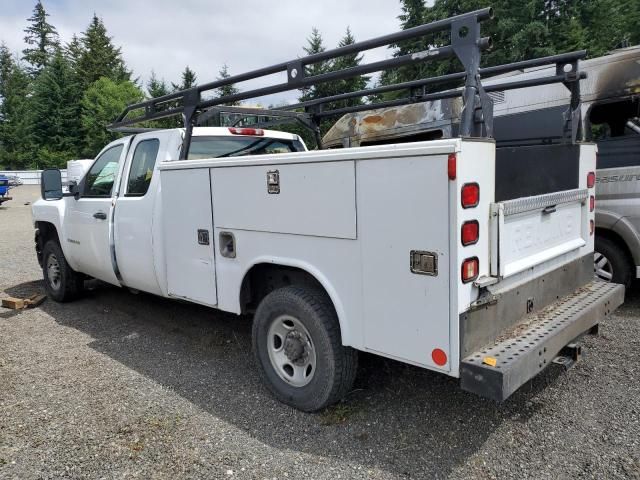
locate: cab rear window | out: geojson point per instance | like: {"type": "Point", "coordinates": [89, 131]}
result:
{"type": "Point", "coordinates": [227, 146]}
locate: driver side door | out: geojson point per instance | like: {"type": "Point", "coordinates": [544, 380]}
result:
{"type": "Point", "coordinates": [89, 218]}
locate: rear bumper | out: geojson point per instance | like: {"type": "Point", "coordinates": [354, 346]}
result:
{"type": "Point", "coordinates": [532, 344]}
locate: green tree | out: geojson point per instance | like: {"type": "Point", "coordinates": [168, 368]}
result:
{"type": "Point", "coordinates": [315, 44]}
{"type": "Point", "coordinates": [101, 103]}
{"type": "Point", "coordinates": [188, 79]}
{"type": "Point", "coordinates": [42, 39]}
{"type": "Point", "coordinates": [98, 57]}
{"type": "Point", "coordinates": [347, 85]}
{"type": "Point", "coordinates": [159, 88]}
{"type": "Point", "coordinates": [226, 90]}
{"type": "Point", "coordinates": [16, 145]}
{"type": "Point", "coordinates": [6, 65]}
{"type": "Point", "coordinates": [73, 51]}
{"type": "Point", "coordinates": [413, 12]}
{"type": "Point", "coordinates": [54, 106]}
{"type": "Point", "coordinates": [156, 87]}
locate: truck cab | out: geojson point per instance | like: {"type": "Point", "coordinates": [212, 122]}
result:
{"type": "Point", "coordinates": [119, 197]}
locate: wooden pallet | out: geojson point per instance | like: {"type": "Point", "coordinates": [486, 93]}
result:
{"type": "Point", "coordinates": [15, 303]}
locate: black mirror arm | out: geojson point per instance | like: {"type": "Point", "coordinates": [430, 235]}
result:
{"type": "Point", "coordinates": [73, 189]}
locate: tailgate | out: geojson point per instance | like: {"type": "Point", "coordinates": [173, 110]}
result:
{"type": "Point", "coordinates": [530, 231]}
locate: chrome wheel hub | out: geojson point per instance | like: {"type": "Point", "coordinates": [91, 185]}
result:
{"type": "Point", "coordinates": [53, 272]}
{"type": "Point", "coordinates": [291, 351]}
{"type": "Point", "coordinates": [602, 267]}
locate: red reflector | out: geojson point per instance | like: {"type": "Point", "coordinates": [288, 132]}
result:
{"type": "Point", "coordinates": [470, 232]}
{"type": "Point", "coordinates": [592, 227]}
{"type": "Point", "coordinates": [439, 356]}
{"type": "Point", "coordinates": [591, 179]}
{"type": "Point", "coordinates": [451, 166]}
{"type": "Point", "coordinates": [592, 203]}
{"type": "Point", "coordinates": [470, 269]}
{"type": "Point", "coordinates": [257, 132]}
{"type": "Point", "coordinates": [470, 195]}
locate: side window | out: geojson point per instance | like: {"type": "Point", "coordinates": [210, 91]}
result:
{"type": "Point", "coordinates": [616, 128]}
{"type": "Point", "coordinates": [100, 178]}
{"type": "Point", "coordinates": [142, 164]}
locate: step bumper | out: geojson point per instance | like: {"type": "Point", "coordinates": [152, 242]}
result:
{"type": "Point", "coordinates": [532, 345]}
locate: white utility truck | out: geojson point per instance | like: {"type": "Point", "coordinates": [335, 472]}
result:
{"type": "Point", "coordinates": [431, 253]}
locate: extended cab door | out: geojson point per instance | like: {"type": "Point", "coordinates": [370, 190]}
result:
{"type": "Point", "coordinates": [88, 221]}
{"type": "Point", "coordinates": [137, 204]}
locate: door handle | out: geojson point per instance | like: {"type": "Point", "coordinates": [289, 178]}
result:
{"type": "Point", "coordinates": [100, 215]}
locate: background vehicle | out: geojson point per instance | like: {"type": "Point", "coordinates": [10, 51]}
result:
{"type": "Point", "coordinates": [4, 189]}
{"type": "Point", "coordinates": [610, 109]}
{"type": "Point", "coordinates": [441, 254]}
{"type": "Point", "coordinates": [14, 180]}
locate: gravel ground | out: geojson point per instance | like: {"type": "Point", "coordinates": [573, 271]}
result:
{"type": "Point", "coordinates": [118, 385]}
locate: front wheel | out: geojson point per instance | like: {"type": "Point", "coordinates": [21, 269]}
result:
{"type": "Point", "coordinates": [298, 346]}
{"type": "Point", "coordinates": [62, 283]}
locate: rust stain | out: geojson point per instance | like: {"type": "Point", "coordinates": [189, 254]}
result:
{"type": "Point", "coordinates": [371, 119]}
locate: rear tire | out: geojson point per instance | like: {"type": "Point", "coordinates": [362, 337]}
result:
{"type": "Point", "coordinates": [62, 283]}
{"type": "Point", "coordinates": [611, 262]}
{"type": "Point", "coordinates": [298, 346]}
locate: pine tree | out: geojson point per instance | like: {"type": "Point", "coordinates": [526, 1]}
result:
{"type": "Point", "coordinates": [6, 65]}
{"type": "Point", "coordinates": [159, 88]}
{"type": "Point", "coordinates": [99, 57]}
{"type": "Point", "coordinates": [43, 38]}
{"type": "Point", "coordinates": [155, 87]}
{"type": "Point", "coordinates": [315, 45]}
{"type": "Point", "coordinates": [412, 15]}
{"type": "Point", "coordinates": [15, 119]}
{"type": "Point", "coordinates": [353, 84]}
{"type": "Point", "coordinates": [73, 51]}
{"type": "Point", "coordinates": [188, 80]}
{"type": "Point", "coordinates": [227, 90]}
{"type": "Point", "coordinates": [55, 122]}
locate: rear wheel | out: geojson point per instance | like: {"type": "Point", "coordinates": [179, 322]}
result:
{"type": "Point", "coordinates": [297, 344]}
{"type": "Point", "coordinates": [62, 283]}
{"type": "Point", "coordinates": [611, 262]}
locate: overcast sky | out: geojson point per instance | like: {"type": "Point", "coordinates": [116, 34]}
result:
{"type": "Point", "coordinates": [166, 35]}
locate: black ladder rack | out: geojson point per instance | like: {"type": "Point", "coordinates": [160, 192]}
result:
{"type": "Point", "coordinates": [466, 44]}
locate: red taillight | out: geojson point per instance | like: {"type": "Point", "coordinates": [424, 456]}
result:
{"type": "Point", "coordinates": [256, 132]}
{"type": "Point", "coordinates": [592, 203]}
{"type": "Point", "coordinates": [592, 227]}
{"type": "Point", "coordinates": [470, 269]}
{"type": "Point", "coordinates": [470, 232]}
{"type": "Point", "coordinates": [451, 166]}
{"type": "Point", "coordinates": [591, 179]}
{"type": "Point", "coordinates": [439, 356]}
{"type": "Point", "coordinates": [470, 195]}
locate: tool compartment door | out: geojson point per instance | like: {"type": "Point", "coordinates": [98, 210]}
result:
{"type": "Point", "coordinates": [403, 206]}
{"type": "Point", "coordinates": [188, 234]}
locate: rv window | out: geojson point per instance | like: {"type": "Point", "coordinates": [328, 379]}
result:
{"type": "Point", "coordinates": [615, 119]}
{"type": "Point", "coordinates": [615, 127]}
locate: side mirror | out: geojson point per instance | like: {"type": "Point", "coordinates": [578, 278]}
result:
{"type": "Point", "coordinates": [51, 184]}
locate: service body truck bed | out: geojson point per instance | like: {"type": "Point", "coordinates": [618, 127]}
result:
{"type": "Point", "coordinates": [446, 254]}
{"type": "Point", "coordinates": [355, 219]}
